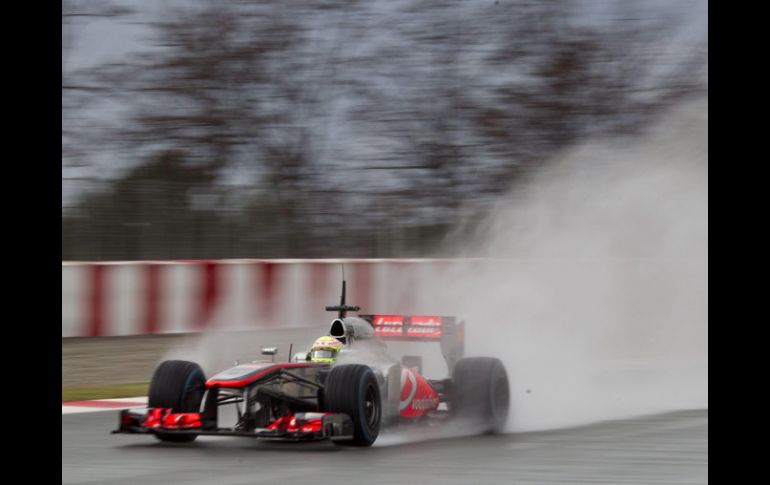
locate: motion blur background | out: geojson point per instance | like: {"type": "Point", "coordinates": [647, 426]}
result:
{"type": "Point", "coordinates": [544, 161]}
{"type": "Point", "coordinates": [336, 128]}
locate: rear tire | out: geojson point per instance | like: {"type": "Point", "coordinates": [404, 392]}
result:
{"type": "Point", "coordinates": [480, 392]}
{"type": "Point", "coordinates": [179, 385]}
{"type": "Point", "coordinates": [353, 389]}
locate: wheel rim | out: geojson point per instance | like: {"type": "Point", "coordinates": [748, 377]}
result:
{"type": "Point", "coordinates": [371, 407]}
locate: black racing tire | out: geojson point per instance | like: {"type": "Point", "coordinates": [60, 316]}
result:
{"type": "Point", "coordinates": [179, 385]}
{"type": "Point", "coordinates": [352, 389]}
{"type": "Point", "coordinates": [480, 393]}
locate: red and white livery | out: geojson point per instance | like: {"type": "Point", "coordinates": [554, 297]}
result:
{"type": "Point", "coordinates": [348, 400]}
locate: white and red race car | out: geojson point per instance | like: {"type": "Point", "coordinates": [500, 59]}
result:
{"type": "Point", "coordinates": [348, 401]}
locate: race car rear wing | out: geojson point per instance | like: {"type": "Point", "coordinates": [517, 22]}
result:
{"type": "Point", "coordinates": [421, 328]}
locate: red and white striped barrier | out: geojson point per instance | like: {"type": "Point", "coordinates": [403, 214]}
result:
{"type": "Point", "coordinates": [149, 297]}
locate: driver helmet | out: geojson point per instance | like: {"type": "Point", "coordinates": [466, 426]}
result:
{"type": "Point", "coordinates": [325, 349]}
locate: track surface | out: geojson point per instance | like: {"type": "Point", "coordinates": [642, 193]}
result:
{"type": "Point", "coordinates": [670, 448]}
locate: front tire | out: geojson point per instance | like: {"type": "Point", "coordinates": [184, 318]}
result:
{"type": "Point", "coordinates": [352, 389]}
{"type": "Point", "coordinates": [480, 392]}
{"type": "Point", "coordinates": [179, 385]}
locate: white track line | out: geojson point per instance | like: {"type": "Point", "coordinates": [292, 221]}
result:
{"type": "Point", "coordinates": [99, 405]}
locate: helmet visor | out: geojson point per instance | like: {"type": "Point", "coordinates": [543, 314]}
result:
{"type": "Point", "coordinates": [323, 354]}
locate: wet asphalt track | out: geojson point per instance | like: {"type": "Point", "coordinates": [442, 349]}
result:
{"type": "Point", "coordinates": [665, 449]}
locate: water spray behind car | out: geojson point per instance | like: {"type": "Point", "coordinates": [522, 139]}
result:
{"type": "Point", "coordinates": [594, 293]}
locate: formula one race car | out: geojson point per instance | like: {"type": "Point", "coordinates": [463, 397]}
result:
{"type": "Point", "coordinates": [348, 400]}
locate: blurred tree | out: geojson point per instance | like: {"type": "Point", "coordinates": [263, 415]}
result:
{"type": "Point", "coordinates": [224, 83]}
{"type": "Point", "coordinates": [145, 214]}
{"type": "Point", "coordinates": [387, 122]}
{"type": "Point", "coordinates": [510, 84]}
{"type": "Point", "coordinates": [584, 79]}
{"type": "Point", "coordinates": [80, 90]}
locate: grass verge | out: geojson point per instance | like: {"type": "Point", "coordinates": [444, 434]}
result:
{"type": "Point", "coordinates": [132, 389]}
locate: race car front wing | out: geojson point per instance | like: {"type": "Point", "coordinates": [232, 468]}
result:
{"type": "Point", "coordinates": [290, 427]}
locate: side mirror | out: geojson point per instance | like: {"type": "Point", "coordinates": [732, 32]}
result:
{"type": "Point", "coordinates": [271, 351]}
